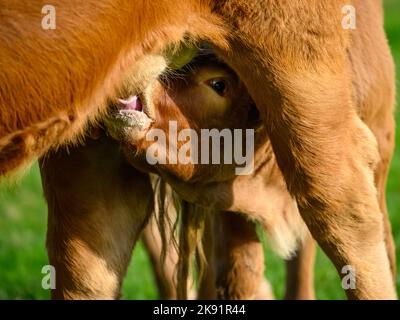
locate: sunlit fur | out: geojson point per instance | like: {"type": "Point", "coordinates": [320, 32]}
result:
{"type": "Point", "coordinates": [325, 96]}
{"type": "Point", "coordinates": [329, 117]}
{"type": "Point", "coordinates": [53, 82]}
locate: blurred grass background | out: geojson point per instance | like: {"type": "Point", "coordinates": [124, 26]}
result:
{"type": "Point", "coordinates": [23, 222]}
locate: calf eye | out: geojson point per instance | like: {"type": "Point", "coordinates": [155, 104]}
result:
{"type": "Point", "coordinates": [218, 85]}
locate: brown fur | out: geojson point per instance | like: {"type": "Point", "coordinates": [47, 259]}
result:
{"type": "Point", "coordinates": [193, 106]}
{"type": "Point", "coordinates": [94, 219]}
{"type": "Point", "coordinates": [322, 136]}
{"type": "Point", "coordinates": [325, 114]}
{"type": "Point", "coordinates": [68, 74]}
{"type": "Point", "coordinates": [327, 155]}
{"type": "Point", "coordinates": [239, 258]}
{"type": "Point", "coordinates": [300, 272]}
{"type": "Point", "coordinates": [245, 288]}
{"type": "Point", "coordinates": [235, 260]}
{"type": "Point", "coordinates": [325, 152]}
{"type": "Point", "coordinates": [164, 271]}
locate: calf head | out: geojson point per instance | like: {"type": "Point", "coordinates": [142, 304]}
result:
{"type": "Point", "coordinates": [206, 94]}
{"type": "Point", "coordinates": [190, 123]}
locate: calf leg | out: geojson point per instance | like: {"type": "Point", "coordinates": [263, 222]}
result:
{"type": "Point", "coordinates": [164, 271]}
{"type": "Point", "coordinates": [97, 206]}
{"type": "Point", "coordinates": [239, 257]}
{"type": "Point", "coordinates": [207, 289]}
{"type": "Point", "coordinates": [300, 272]}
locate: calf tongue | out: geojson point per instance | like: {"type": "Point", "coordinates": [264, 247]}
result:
{"type": "Point", "coordinates": [132, 103]}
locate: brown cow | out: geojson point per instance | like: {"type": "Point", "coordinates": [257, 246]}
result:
{"type": "Point", "coordinates": [299, 65]}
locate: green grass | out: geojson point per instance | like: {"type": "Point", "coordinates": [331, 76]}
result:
{"type": "Point", "coordinates": [23, 229]}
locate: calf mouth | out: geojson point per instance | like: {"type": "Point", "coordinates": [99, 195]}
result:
{"type": "Point", "coordinates": [130, 118]}
{"type": "Point", "coordinates": [133, 112]}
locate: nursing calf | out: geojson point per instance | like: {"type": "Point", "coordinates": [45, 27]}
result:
{"type": "Point", "coordinates": [208, 95]}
